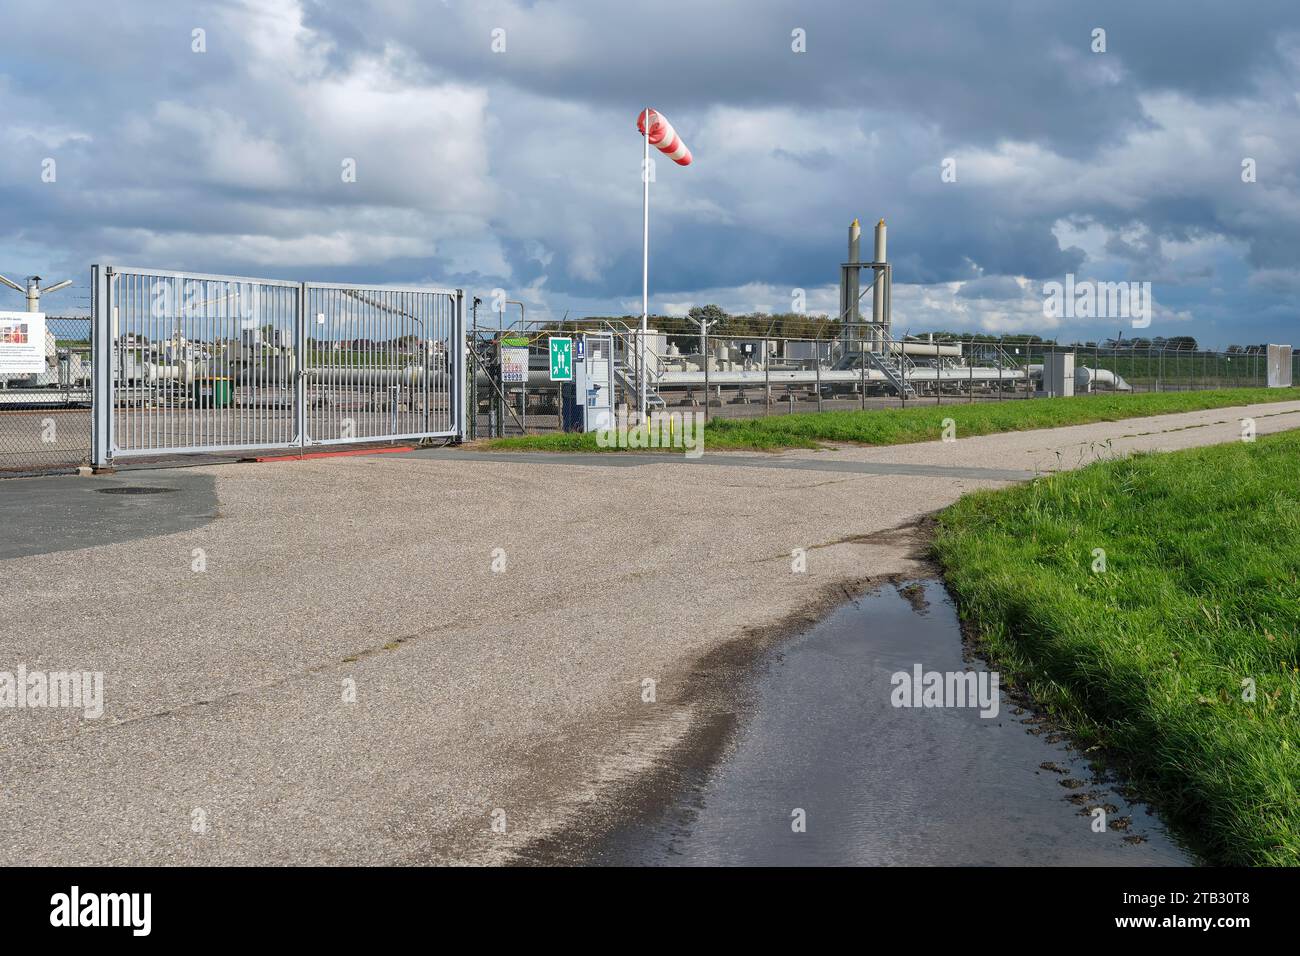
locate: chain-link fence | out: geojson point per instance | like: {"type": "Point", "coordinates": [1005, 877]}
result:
{"type": "Point", "coordinates": [45, 416]}
{"type": "Point", "coordinates": [746, 376]}
{"type": "Point", "coordinates": [1151, 369]}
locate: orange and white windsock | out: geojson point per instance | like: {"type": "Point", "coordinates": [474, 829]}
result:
{"type": "Point", "coordinates": [664, 138]}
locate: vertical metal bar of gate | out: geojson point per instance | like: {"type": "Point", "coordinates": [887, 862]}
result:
{"type": "Point", "coordinates": [426, 352]}
{"type": "Point", "coordinates": [101, 369]}
{"type": "Point", "coordinates": [302, 353]}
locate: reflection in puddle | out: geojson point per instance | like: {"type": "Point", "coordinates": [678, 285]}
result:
{"type": "Point", "coordinates": [880, 784]}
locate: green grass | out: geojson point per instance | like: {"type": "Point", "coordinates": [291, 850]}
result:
{"type": "Point", "coordinates": [1148, 657]}
{"type": "Point", "coordinates": [922, 422]}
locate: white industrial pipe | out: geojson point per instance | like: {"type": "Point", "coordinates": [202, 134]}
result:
{"type": "Point", "coordinates": [1089, 378]}
{"type": "Point", "coordinates": [922, 349]}
{"type": "Point", "coordinates": [878, 330]}
{"type": "Point", "coordinates": [850, 310]}
{"type": "Point", "coordinates": [282, 373]}
{"type": "Point", "coordinates": [412, 376]}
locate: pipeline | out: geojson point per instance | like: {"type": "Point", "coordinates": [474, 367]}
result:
{"type": "Point", "coordinates": [282, 372]}
{"type": "Point", "coordinates": [923, 349]}
{"type": "Point", "coordinates": [1087, 379]}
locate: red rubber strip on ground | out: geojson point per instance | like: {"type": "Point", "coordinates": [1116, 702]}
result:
{"type": "Point", "coordinates": [333, 454]}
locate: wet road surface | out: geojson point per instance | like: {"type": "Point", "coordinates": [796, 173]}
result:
{"type": "Point", "coordinates": [880, 784]}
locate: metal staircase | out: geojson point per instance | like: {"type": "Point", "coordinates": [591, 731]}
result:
{"type": "Point", "coordinates": [625, 339]}
{"type": "Point", "coordinates": [626, 378]}
{"type": "Point", "coordinates": [895, 366]}
{"type": "Point", "coordinates": [1004, 358]}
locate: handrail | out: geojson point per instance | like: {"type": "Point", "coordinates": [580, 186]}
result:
{"type": "Point", "coordinates": [894, 362]}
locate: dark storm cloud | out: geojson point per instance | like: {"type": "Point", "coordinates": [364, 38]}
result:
{"type": "Point", "coordinates": [981, 71]}
{"type": "Point", "coordinates": [519, 169]}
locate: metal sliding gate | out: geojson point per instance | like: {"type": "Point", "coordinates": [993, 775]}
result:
{"type": "Point", "coordinates": [186, 363]}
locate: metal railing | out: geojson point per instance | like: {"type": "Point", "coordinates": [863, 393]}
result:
{"type": "Point", "coordinates": [758, 374]}
{"type": "Point", "coordinates": [513, 408]}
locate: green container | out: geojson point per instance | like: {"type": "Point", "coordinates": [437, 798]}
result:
{"type": "Point", "coordinates": [212, 392]}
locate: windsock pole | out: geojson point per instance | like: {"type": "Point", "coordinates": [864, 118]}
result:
{"type": "Point", "coordinates": [665, 139]}
{"type": "Point", "coordinates": [645, 262]}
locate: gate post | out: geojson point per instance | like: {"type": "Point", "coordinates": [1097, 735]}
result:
{"type": "Point", "coordinates": [102, 397]}
{"type": "Point", "coordinates": [300, 376]}
{"type": "Point", "coordinates": [460, 370]}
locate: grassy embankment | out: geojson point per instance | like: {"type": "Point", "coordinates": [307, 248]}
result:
{"type": "Point", "coordinates": [923, 422]}
{"type": "Point", "coordinates": [1151, 657]}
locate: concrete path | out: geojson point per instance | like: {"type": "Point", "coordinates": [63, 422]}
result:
{"type": "Point", "coordinates": [373, 660]}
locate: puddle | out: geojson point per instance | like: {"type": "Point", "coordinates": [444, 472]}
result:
{"type": "Point", "coordinates": [884, 785]}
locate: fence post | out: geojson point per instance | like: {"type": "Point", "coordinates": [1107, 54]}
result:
{"type": "Point", "coordinates": [862, 364]}
{"type": "Point", "coordinates": [707, 396]}
{"type": "Point", "coordinates": [970, 365]}
{"type": "Point", "coordinates": [767, 376]}
{"type": "Point", "coordinates": [1000, 370]}
{"type": "Point", "coordinates": [901, 360]}
{"type": "Point", "coordinates": [472, 374]}
{"type": "Point", "coordinates": [101, 356]}
{"type": "Point", "coordinates": [817, 364]}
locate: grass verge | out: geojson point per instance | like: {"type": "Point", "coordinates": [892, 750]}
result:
{"type": "Point", "coordinates": [1155, 657]}
{"type": "Point", "coordinates": [920, 422]}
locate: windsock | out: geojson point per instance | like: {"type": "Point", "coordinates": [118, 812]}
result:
{"type": "Point", "coordinates": [664, 138]}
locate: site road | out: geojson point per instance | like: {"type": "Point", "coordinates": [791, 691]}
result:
{"type": "Point", "coordinates": [380, 659]}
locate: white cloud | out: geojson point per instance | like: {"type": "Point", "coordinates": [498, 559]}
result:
{"type": "Point", "coordinates": [522, 169]}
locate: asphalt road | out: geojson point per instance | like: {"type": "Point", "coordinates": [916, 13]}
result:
{"type": "Point", "coordinates": [316, 662]}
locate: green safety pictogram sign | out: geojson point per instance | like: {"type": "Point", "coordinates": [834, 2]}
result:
{"type": "Point", "coordinates": [561, 359]}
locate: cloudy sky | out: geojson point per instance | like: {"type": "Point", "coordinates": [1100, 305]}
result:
{"type": "Point", "coordinates": [519, 168]}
